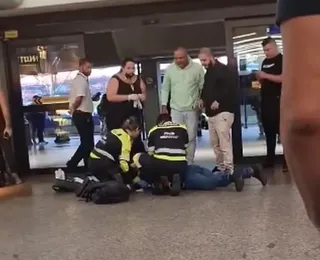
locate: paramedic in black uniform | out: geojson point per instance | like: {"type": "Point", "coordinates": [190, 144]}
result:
{"type": "Point", "coordinates": [270, 78]}
{"type": "Point", "coordinates": [166, 161]}
{"type": "Point", "coordinates": [300, 101]}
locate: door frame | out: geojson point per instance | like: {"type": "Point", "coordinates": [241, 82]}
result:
{"type": "Point", "coordinates": [230, 25]}
{"type": "Point", "coordinates": [21, 150]}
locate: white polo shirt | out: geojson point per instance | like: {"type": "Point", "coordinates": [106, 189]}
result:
{"type": "Point", "coordinates": [80, 88]}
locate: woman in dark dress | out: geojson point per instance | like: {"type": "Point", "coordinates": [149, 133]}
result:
{"type": "Point", "coordinates": [126, 93]}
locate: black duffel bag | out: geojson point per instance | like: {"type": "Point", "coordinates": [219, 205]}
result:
{"type": "Point", "coordinates": [109, 192]}
{"type": "Point", "coordinates": [67, 185]}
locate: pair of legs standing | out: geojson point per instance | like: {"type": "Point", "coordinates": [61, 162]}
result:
{"type": "Point", "coordinates": [84, 124]}
{"type": "Point", "coordinates": [221, 141]}
{"type": "Point", "coordinates": [190, 120]}
{"type": "Point", "coordinates": [270, 117]}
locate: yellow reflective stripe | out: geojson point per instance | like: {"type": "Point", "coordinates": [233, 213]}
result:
{"type": "Point", "coordinates": [93, 156]}
{"type": "Point", "coordinates": [170, 158]}
{"type": "Point", "coordinates": [126, 144]}
{"type": "Point", "coordinates": [124, 166]}
{"type": "Point", "coordinates": [135, 159]}
{"type": "Point", "coordinates": [136, 179]}
{"type": "Point", "coordinates": [104, 153]}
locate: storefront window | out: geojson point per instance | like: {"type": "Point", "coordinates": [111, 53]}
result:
{"type": "Point", "coordinates": [58, 122]}
{"type": "Point", "coordinates": [249, 53]}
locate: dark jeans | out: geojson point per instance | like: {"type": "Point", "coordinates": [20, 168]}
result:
{"type": "Point", "coordinates": [152, 168]}
{"type": "Point", "coordinates": [84, 124]}
{"type": "Point", "coordinates": [105, 169]}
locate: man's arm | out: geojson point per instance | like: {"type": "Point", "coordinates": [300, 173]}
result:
{"type": "Point", "coordinates": [300, 110]}
{"type": "Point", "coordinates": [165, 89]}
{"type": "Point", "coordinates": [274, 78]}
{"type": "Point", "coordinates": [200, 81]}
{"type": "Point", "coordinates": [151, 143]}
{"type": "Point", "coordinates": [80, 92]}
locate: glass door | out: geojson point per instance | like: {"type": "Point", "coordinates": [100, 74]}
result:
{"type": "Point", "coordinates": [244, 39]}
{"type": "Point", "coordinates": [41, 72]}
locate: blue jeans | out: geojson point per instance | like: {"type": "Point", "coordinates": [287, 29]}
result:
{"type": "Point", "coordinates": [199, 178]}
{"type": "Point", "coordinates": [190, 120]}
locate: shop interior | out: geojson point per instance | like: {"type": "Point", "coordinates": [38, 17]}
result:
{"type": "Point", "coordinates": [249, 53]}
{"type": "Point", "coordinates": [50, 69]}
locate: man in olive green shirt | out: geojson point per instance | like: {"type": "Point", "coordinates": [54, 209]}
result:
{"type": "Point", "coordinates": [183, 82]}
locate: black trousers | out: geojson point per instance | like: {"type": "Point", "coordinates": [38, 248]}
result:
{"type": "Point", "coordinates": [152, 169]}
{"type": "Point", "coordinates": [84, 124]}
{"type": "Point", "coordinates": [270, 118]}
{"type": "Point", "coordinates": [105, 169]}
{"type": "Point", "coordinates": [37, 125]}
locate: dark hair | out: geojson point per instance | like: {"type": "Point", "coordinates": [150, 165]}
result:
{"type": "Point", "coordinates": [126, 60]}
{"type": "Point", "coordinates": [267, 41]}
{"type": "Point", "coordinates": [132, 123]}
{"type": "Point", "coordinates": [83, 61]}
{"type": "Point", "coordinates": [162, 118]}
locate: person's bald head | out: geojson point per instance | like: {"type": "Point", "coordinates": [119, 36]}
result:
{"type": "Point", "coordinates": [181, 57]}
{"type": "Point", "coordinates": [206, 57]}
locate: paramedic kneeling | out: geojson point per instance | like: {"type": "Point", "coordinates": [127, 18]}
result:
{"type": "Point", "coordinates": [166, 162]}
{"type": "Point", "coordinates": [110, 158]}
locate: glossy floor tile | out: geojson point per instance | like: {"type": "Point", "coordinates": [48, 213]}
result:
{"type": "Point", "coordinates": [257, 224]}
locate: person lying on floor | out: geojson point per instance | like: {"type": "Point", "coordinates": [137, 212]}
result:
{"type": "Point", "coordinates": [165, 163]}
{"type": "Point", "coordinates": [200, 178]}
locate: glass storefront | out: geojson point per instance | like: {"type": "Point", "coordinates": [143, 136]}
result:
{"type": "Point", "coordinates": [46, 73]}
{"type": "Point", "coordinates": [248, 51]}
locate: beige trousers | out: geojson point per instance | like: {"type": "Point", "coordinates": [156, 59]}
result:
{"type": "Point", "coordinates": [221, 141]}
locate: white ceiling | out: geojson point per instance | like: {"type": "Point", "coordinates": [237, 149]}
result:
{"type": "Point", "coordinates": [41, 6]}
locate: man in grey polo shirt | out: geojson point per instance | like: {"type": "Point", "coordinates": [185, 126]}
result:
{"type": "Point", "coordinates": [81, 108]}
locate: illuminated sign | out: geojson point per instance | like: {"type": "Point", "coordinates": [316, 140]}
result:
{"type": "Point", "coordinates": [13, 34]}
{"type": "Point", "coordinates": [29, 59]}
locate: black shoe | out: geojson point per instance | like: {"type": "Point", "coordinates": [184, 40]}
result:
{"type": "Point", "coordinates": [175, 185]}
{"type": "Point", "coordinates": [157, 189]}
{"type": "Point", "coordinates": [216, 169]}
{"type": "Point", "coordinates": [238, 181]}
{"type": "Point", "coordinates": [259, 175]}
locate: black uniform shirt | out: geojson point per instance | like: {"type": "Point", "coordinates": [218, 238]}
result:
{"type": "Point", "coordinates": [271, 91]}
{"type": "Point", "coordinates": [116, 145]}
{"type": "Point", "coordinates": [168, 141]}
{"type": "Point", "coordinates": [288, 9]}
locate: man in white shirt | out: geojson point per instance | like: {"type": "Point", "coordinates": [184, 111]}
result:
{"type": "Point", "coordinates": [81, 108]}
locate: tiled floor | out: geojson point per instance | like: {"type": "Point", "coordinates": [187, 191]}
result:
{"type": "Point", "coordinates": [257, 224]}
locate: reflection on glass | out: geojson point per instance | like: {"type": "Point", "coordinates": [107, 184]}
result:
{"type": "Point", "coordinates": [249, 54]}
{"type": "Point", "coordinates": [47, 72]}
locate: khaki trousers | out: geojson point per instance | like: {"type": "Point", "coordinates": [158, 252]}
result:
{"type": "Point", "coordinates": [221, 141]}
